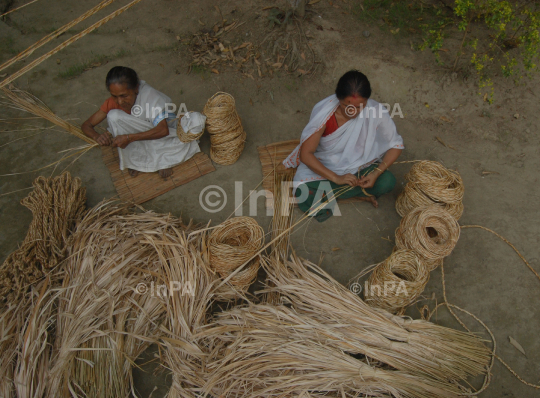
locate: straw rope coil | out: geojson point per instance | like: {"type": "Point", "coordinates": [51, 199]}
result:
{"type": "Point", "coordinates": [227, 135]}
{"type": "Point", "coordinates": [404, 271]}
{"type": "Point", "coordinates": [245, 277]}
{"type": "Point", "coordinates": [430, 182]}
{"type": "Point", "coordinates": [187, 137]}
{"type": "Point", "coordinates": [56, 204]}
{"type": "Point", "coordinates": [231, 244]}
{"type": "Point", "coordinates": [430, 231]}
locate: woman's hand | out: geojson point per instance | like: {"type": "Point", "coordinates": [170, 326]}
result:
{"type": "Point", "coordinates": [368, 181]}
{"type": "Point", "coordinates": [105, 139]}
{"type": "Point", "coordinates": [346, 179]}
{"type": "Point", "coordinates": [121, 141]}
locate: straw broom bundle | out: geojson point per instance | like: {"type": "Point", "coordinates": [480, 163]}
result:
{"type": "Point", "coordinates": [268, 351]}
{"type": "Point", "coordinates": [413, 346]}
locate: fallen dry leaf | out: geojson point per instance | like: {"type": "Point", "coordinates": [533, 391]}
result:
{"type": "Point", "coordinates": [485, 97]}
{"type": "Point", "coordinates": [215, 71]}
{"type": "Point", "coordinates": [202, 23]}
{"type": "Point", "coordinates": [313, 2]}
{"type": "Point", "coordinates": [251, 101]}
{"type": "Point", "coordinates": [516, 345]}
{"type": "Point", "coordinates": [487, 172]}
{"type": "Point", "coordinates": [445, 119]}
{"type": "Point", "coordinates": [303, 56]}
{"type": "Point", "coordinates": [445, 144]}
{"type": "Point", "coordinates": [277, 65]}
{"type": "Point", "coordinates": [335, 249]}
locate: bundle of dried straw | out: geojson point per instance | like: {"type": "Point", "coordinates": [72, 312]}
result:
{"type": "Point", "coordinates": [231, 244]}
{"type": "Point", "coordinates": [431, 232]}
{"type": "Point", "coordinates": [330, 343]}
{"type": "Point", "coordinates": [397, 282]}
{"type": "Point", "coordinates": [227, 135]}
{"type": "Point", "coordinates": [430, 182]}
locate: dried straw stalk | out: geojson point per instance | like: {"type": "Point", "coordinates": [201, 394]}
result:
{"type": "Point", "coordinates": [413, 346]}
{"type": "Point", "coordinates": [26, 53]}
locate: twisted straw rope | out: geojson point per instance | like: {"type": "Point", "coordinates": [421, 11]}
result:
{"type": "Point", "coordinates": [430, 182]}
{"type": "Point", "coordinates": [403, 267]}
{"type": "Point", "coordinates": [233, 243]}
{"type": "Point", "coordinates": [56, 204]}
{"type": "Point", "coordinates": [227, 135]}
{"type": "Point", "coordinates": [245, 277]}
{"type": "Point", "coordinates": [414, 233]}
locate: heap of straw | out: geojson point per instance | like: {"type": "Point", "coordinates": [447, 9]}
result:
{"type": "Point", "coordinates": [431, 232]}
{"type": "Point", "coordinates": [231, 244]}
{"type": "Point", "coordinates": [227, 135]}
{"type": "Point", "coordinates": [430, 182]}
{"type": "Point", "coordinates": [397, 282]}
{"type": "Point", "coordinates": [331, 343]}
{"type": "Point", "coordinates": [56, 205]}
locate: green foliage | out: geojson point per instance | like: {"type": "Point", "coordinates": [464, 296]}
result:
{"type": "Point", "coordinates": [512, 42]}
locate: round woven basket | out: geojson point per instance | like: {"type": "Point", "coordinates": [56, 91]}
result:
{"type": "Point", "coordinates": [245, 277]}
{"type": "Point", "coordinates": [227, 135]}
{"type": "Point", "coordinates": [430, 231]}
{"type": "Point", "coordinates": [186, 137]}
{"type": "Point", "coordinates": [234, 242]}
{"type": "Point", "coordinates": [431, 183]}
{"type": "Point", "coordinates": [397, 282]}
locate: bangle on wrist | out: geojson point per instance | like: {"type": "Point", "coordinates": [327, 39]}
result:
{"type": "Point", "coordinates": [376, 168]}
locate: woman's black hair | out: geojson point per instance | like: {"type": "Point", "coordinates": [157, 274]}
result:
{"type": "Point", "coordinates": [353, 83]}
{"type": "Point", "coordinates": [122, 75]}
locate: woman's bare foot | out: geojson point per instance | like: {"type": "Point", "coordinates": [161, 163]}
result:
{"type": "Point", "coordinates": [133, 173]}
{"type": "Point", "coordinates": [372, 200]}
{"type": "Point", "coordinates": [165, 173]}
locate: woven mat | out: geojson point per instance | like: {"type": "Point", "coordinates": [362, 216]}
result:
{"type": "Point", "coordinates": [147, 186]}
{"type": "Point", "coordinates": [273, 155]}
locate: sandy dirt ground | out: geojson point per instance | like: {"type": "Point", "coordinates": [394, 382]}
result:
{"type": "Point", "coordinates": [483, 274]}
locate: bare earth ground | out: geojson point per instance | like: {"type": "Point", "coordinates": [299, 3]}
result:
{"type": "Point", "coordinates": [483, 275]}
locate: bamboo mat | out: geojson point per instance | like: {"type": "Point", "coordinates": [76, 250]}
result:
{"type": "Point", "coordinates": [147, 186]}
{"type": "Point", "coordinates": [273, 155]}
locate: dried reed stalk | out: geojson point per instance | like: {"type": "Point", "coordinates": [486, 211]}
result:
{"type": "Point", "coordinates": [397, 282]}
{"type": "Point", "coordinates": [53, 35]}
{"type": "Point", "coordinates": [269, 351]}
{"type": "Point", "coordinates": [430, 231]}
{"type": "Point", "coordinates": [430, 182]}
{"type": "Point", "coordinates": [416, 347]}
{"type": "Point", "coordinates": [71, 40]}
{"type": "Point", "coordinates": [227, 135]}
{"type": "Point", "coordinates": [104, 318]}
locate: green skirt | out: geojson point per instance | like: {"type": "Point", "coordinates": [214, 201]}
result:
{"type": "Point", "coordinates": [384, 184]}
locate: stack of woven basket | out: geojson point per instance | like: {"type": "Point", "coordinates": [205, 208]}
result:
{"type": "Point", "coordinates": [430, 205]}
{"type": "Point", "coordinates": [227, 135]}
{"type": "Point", "coordinates": [231, 244]}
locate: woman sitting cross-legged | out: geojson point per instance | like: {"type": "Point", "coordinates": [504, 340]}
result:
{"type": "Point", "coordinates": [139, 125]}
{"type": "Point", "coordinates": [345, 149]}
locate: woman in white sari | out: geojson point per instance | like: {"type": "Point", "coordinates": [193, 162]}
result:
{"type": "Point", "coordinates": [139, 126]}
{"type": "Point", "coordinates": [349, 142]}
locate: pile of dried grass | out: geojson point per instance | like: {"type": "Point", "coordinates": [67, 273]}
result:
{"type": "Point", "coordinates": [430, 182]}
{"type": "Point", "coordinates": [330, 343]}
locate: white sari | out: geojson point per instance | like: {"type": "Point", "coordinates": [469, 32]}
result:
{"type": "Point", "coordinates": [354, 146]}
{"type": "Point", "coordinates": [149, 110]}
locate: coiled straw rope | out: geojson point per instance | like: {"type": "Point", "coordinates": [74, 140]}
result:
{"type": "Point", "coordinates": [231, 244]}
{"type": "Point", "coordinates": [227, 135]}
{"type": "Point", "coordinates": [430, 182]}
{"type": "Point", "coordinates": [431, 231]}
{"type": "Point", "coordinates": [397, 282]}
